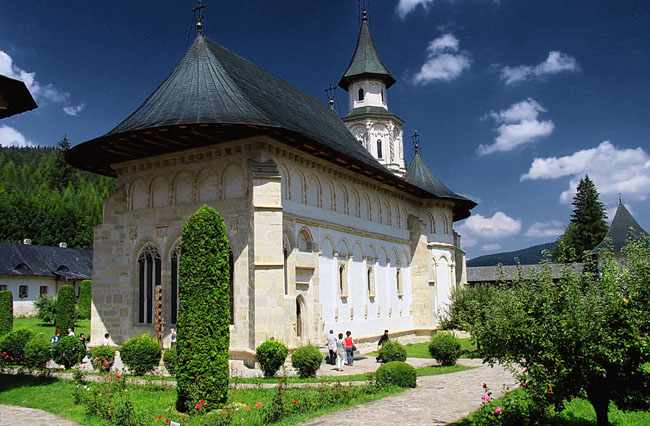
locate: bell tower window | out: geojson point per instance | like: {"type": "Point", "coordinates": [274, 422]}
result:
{"type": "Point", "coordinates": [361, 95]}
{"type": "Point", "coordinates": [380, 153]}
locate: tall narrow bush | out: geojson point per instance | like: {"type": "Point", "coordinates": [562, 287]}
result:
{"type": "Point", "coordinates": [6, 312]}
{"type": "Point", "coordinates": [204, 312]}
{"type": "Point", "coordinates": [85, 295]}
{"type": "Point", "coordinates": [65, 310]}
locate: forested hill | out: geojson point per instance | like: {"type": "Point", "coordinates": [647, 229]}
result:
{"type": "Point", "coordinates": [44, 199]}
{"type": "Point", "coordinates": [528, 256]}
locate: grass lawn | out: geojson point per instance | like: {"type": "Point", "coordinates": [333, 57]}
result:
{"type": "Point", "coordinates": [56, 396]}
{"type": "Point", "coordinates": [37, 326]}
{"type": "Point", "coordinates": [421, 350]}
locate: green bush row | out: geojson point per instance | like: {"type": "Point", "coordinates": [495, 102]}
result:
{"type": "Point", "coordinates": [6, 312]}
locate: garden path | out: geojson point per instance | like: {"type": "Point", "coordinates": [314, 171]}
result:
{"type": "Point", "coordinates": [21, 416]}
{"type": "Point", "coordinates": [437, 400]}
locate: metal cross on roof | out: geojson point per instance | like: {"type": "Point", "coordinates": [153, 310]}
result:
{"type": "Point", "coordinates": [416, 141]}
{"type": "Point", "coordinates": [198, 15]}
{"type": "Point", "coordinates": [331, 90]}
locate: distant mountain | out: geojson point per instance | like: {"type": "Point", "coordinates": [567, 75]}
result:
{"type": "Point", "coordinates": [528, 256]}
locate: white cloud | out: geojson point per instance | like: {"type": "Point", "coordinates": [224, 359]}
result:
{"type": "Point", "coordinates": [404, 7]}
{"type": "Point", "coordinates": [500, 225]}
{"type": "Point", "coordinates": [40, 92]}
{"type": "Point", "coordinates": [549, 229]}
{"type": "Point", "coordinates": [12, 137]}
{"type": "Point", "coordinates": [73, 110]}
{"type": "Point", "coordinates": [555, 63]}
{"type": "Point", "coordinates": [491, 247]}
{"type": "Point", "coordinates": [444, 61]}
{"type": "Point", "coordinates": [518, 125]}
{"type": "Point", "coordinates": [613, 170]}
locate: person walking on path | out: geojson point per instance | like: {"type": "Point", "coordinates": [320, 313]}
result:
{"type": "Point", "coordinates": [340, 352]}
{"type": "Point", "coordinates": [382, 340]}
{"type": "Point", "coordinates": [349, 348]}
{"type": "Point", "coordinates": [331, 347]}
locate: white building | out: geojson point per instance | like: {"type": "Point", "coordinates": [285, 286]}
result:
{"type": "Point", "coordinates": [30, 271]}
{"type": "Point", "coordinates": [326, 230]}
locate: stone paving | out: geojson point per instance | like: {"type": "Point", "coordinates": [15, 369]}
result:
{"type": "Point", "coordinates": [20, 416]}
{"type": "Point", "coordinates": [437, 400]}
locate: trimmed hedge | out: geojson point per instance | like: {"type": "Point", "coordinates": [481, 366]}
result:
{"type": "Point", "coordinates": [12, 346]}
{"type": "Point", "coordinates": [102, 357]}
{"type": "Point", "coordinates": [203, 341]}
{"type": "Point", "coordinates": [170, 358]}
{"type": "Point", "coordinates": [6, 312]}
{"type": "Point", "coordinates": [271, 355]}
{"type": "Point", "coordinates": [391, 351]}
{"type": "Point", "coordinates": [445, 348]}
{"type": "Point", "coordinates": [396, 373]}
{"type": "Point", "coordinates": [85, 297]}
{"type": "Point", "coordinates": [141, 354]}
{"type": "Point", "coordinates": [46, 309]}
{"type": "Point", "coordinates": [307, 360]}
{"type": "Point", "coordinates": [68, 352]}
{"type": "Point", "coordinates": [38, 351]}
{"type": "Point", "coordinates": [65, 309]}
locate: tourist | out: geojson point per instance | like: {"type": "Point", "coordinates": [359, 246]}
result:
{"type": "Point", "coordinates": [107, 339]}
{"type": "Point", "coordinates": [172, 337]}
{"type": "Point", "coordinates": [383, 339]}
{"type": "Point", "coordinates": [331, 346]}
{"type": "Point", "coordinates": [57, 336]}
{"type": "Point", "coordinates": [340, 351]}
{"type": "Point", "coordinates": [70, 332]}
{"type": "Point", "coordinates": [83, 339]}
{"type": "Point", "coordinates": [349, 348]}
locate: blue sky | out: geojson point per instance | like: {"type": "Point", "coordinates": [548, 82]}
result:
{"type": "Point", "coordinates": [515, 100]}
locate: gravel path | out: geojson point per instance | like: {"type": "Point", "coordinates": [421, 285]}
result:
{"type": "Point", "coordinates": [21, 416]}
{"type": "Point", "coordinates": [437, 400]}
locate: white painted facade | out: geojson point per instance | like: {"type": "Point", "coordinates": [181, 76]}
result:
{"type": "Point", "coordinates": [26, 289]}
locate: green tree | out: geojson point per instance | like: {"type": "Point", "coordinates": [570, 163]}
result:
{"type": "Point", "coordinates": [586, 333]}
{"type": "Point", "coordinates": [62, 174]}
{"type": "Point", "coordinates": [85, 299]}
{"type": "Point", "coordinates": [204, 311]}
{"type": "Point", "coordinates": [588, 224]}
{"type": "Point", "coordinates": [6, 312]}
{"type": "Point", "coordinates": [65, 309]}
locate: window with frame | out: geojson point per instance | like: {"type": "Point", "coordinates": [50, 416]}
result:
{"type": "Point", "coordinates": [175, 263]}
{"type": "Point", "coordinates": [380, 153]}
{"type": "Point", "coordinates": [148, 278]}
{"type": "Point", "coordinates": [398, 281]}
{"type": "Point", "coordinates": [42, 291]}
{"type": "Point", "coordinates": [361, 95]}
{"type": "Point", "coordinates": [343, 279]}
{"type": "Point", "coordinates": [304, 241]}
{"type": "Point", "coordinates": [23, 292]}
{"type": "Point", "coordinates": [370, 277]}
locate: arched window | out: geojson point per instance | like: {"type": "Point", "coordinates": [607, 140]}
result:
{"type": "Point", "coordinates": [343, 280]}
{"type": "Point", "coordinates": [361, 95]}
{"type": "Point", "coordinates": [398, 281]}
{"type": "Point", "coordinates": [304, 241]}
{"type": "Point", "coordinates": [341, 276]}
{"type": "Point", "coordinates": [380, 153]}
{"type": "Point", "coordinates": [148, 279]}
{"type": "Point", "coordinates": [370, 273]}
{"type": "Point", "coordinates": [299, 324]}
{"type": "Point", "coordinates": [175, 261]}
{"type": "Point", "coordinates": [232, 287]}
{"type": "Point", "coordinates": [285, 251]}
{"type": "Point", "coordinates": [382, 96]}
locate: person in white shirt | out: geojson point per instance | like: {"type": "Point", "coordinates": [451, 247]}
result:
{"type": "Point", "coordinates": [107, 339]}
{"type": "Point", "coordinates": [331, 347]}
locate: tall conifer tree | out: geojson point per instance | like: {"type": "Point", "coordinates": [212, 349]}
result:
{"type": "Point", "coordinates": [62, 174]}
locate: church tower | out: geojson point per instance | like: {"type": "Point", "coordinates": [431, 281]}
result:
{"type": "Point", "coordinates": [367, 81]}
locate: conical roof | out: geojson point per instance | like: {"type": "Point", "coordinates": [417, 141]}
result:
{"type": "Point", "coordinates": [420, 175]}
{"type": "Point", "coordinates": [623, 228]}
{"type": "Point", "coordinates": [365, 61]}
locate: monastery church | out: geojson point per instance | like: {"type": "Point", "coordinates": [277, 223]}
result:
{"type": "Point", "coordinates": [329, 227]}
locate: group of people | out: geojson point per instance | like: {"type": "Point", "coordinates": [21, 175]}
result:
{"type": "Point", "coordinates": [57, 337]}
{"type": "Point", "coordinates": [341, 350]}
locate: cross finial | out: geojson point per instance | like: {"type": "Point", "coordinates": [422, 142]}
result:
{"type": "Point", "coordinates": [620, 199]}
{"type": "Point", "coordinates": [416, 141]}
{"type": "Point", "coordinates": [198, 15]}
{"type": "Point", "coordinates": [363, 10]}
{"type": "Point", "coordinates": [331, 90]}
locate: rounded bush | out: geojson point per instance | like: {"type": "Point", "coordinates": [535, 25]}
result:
{"type": "Point", "coordinates": [141, 354]}
{"type": "Point", "coordinates": [65, 309]}
{"type": "Point", "coordinates": [12, 346]}
{"type": "Point", "coordinates": [68, 352]}
{"type": "Point", "coordinates": [102, 357]}
{"type": "Point", "coordinates": [170, 358]}
{"type": "Point", "coordinates": [396, 373]}
{"type": "Point", "coordinates": [271, 355]}
{"type": "Point", "coordinates": [307, 360]}
{"type": "Point", "coordinates": [38, 351]}
{"type": "Point", "coordinates": [6, 312]}
{"type": "Point", "coordinates": [391, 351]}
{"type": "Point", "coordinates": [445, 348]}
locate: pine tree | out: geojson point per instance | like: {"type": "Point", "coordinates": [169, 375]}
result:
{"type": "Point", "coordinates": [62, 173]}
{"type": "Point", "coordinates": [588, 224]}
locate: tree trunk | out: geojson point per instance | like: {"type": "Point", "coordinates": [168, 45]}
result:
{"type": "Point", "coordinates": [599, 398]}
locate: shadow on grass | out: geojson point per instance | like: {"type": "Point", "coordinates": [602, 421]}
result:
{"type": "Point", "coordinates": [11, 381]}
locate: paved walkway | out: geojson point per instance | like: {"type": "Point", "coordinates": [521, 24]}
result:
{"type": "Point", "coordinates": [20, 416]}
{"type": "Point", "coordinates": [437, 400]}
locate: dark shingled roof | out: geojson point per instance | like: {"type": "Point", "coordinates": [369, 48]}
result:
{"type": "Point", "coordinates": [14, 97]}
{"type": "Point", "coordinates": [623, 228]}
{"type": "Point", "coordinates": [490, 274]}
{"type": "Point", "coordinates": [365, 61]}
{"type": "Point", "coordinates": [45, 261]}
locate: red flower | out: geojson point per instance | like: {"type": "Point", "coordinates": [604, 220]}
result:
{"type": "Point", "coordinates": [259, 405]}
{"type": "Point", "coordinates": [295, 402]}
{"type": "Point", "coordinates": [199, 404]}
{"type": "Point", "coordinates": [498, 410]}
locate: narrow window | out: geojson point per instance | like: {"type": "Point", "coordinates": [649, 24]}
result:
{"type": "Point", "coordinates": [286, 271]}
{"type": "Point", "coordinates": [341, 271]}
{"type": "Point", "coordinates": [232, 288]}
{"type": "Point", "coordinates": [382, 96]}
{"type": "Point", "coordinates": [42, 291]}
{"type": "Point", "coordinates": [23, 292]}
{"type": "Point", "coordinates": [361, 95]}
{"type": "Point", "coordinates": [174, 288]}
{"type": "Point", "coordinates": [149, 272]}
{"type": "Point", "coordinates": [380, 154]}
{"type": "Point", "coordinates": [298, 318]}
{"type": "Point", "coordinates": [398, 279]}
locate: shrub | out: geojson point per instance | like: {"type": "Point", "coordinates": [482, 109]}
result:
{"type": "Point", "coordinates": [6, 312]}
{"type": "Point", "coordinates": [38, 351]}
{"type": "Point", "coordinates": [170, 358]}
{"type": "Point", "coordinates": [396, 373]}
{"type": "Point", "coordinates": [109, 401]}
{"type": "Point", "coordinates": [68, 352]}
{"type": "Point", "coordinates": [45, 309]}
{"type": "Point", "coordinates": [468, 306]}
{"type": "Point", "coordinates": [65, 309]}
{"type": "Point", "coordinates": [307, 360]}
{"type": "Point", "coordinates": [102, 357]}
{"type": "Point", "coordinates": [271, 355]}
{"type": "Point", "coordinates": [12, 346]}
{"type": "Point", "coordinates": [85, 297]}
{"type": "Point", "coordinates": [391, 351]}
{"type": "Point", "coordinates": [203, 340]}
{"type": "Point", "coordinates": [445, 348]}
{"type": "Point", "coordinates": [516, 408]}
{"type": "Point", "coordinates": [141, 354]}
